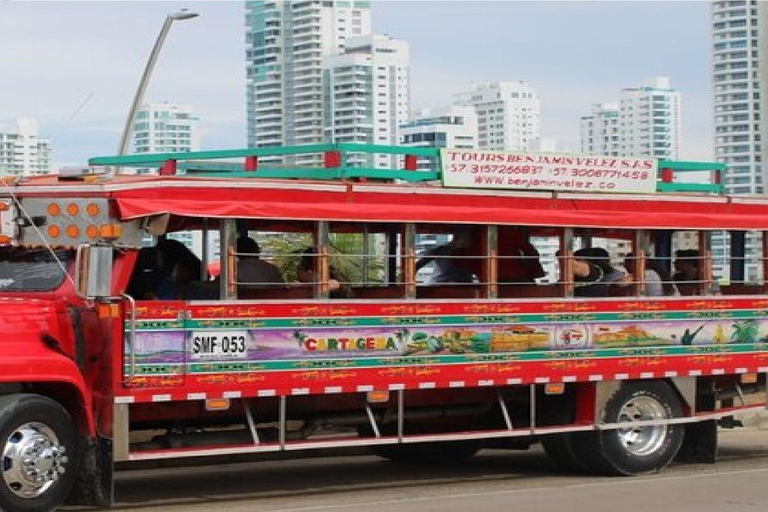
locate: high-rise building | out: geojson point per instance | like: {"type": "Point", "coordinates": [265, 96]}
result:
{"type": "Point", "coordinates": [737, 80]}
{"type": "Point", "coordinates": [171, 128]}
{"type": "Point", "coordinates": [442, 127]}
{"type": "Point", "coordinates": [508, 114]}
{"type": "Point", "coordinates": [649, 118]}
{"type": "Point", "coordinates": [644, 122]}
{"type": "Point", "coordinates": [740, 75]}
{"type": "Point", "coordinates": [286, 42]}
{"type": "Point", "coordinates": [366, 91]}
{"type": "Point", "coordinates": [166, 128]}
{"type": "Point", "coordinates": [22, 152]}
{"type": "Point", "coordinates": [600, 130]}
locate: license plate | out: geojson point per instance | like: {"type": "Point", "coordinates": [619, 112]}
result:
{"type": "Point", "coordinates": [219, 344]}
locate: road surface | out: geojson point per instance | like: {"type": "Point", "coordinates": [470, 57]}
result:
{"type": "Point", "coordinates": [492, 481]}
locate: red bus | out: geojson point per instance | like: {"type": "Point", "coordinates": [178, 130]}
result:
{"type": "Point", "coordinates": [498, 300]}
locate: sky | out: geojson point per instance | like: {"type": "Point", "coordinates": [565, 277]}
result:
{"type": "Point", "coordinates": [74, 66]}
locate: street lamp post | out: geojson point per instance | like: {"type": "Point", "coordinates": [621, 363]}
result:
{"type": "Point", "coordinates": [181, 15]}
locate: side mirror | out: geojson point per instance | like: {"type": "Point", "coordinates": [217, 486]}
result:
{"type": "Point", "coordinates": [94, 271]}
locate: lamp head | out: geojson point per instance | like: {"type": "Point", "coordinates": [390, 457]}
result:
{"type": "Point", "coordinates": [184, 14]}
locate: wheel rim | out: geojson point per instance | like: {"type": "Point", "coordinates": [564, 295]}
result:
{"type": "Point", "coordinates": [642, 440]}
{"type": "Point", "coordinates": [33, 460]}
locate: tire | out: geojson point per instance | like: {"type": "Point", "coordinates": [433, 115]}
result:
{"type": "Point", "coordinates": [559, 449]}
{"type": "Point", "coordinates": [633, 450]}
{"type": "Point", "coordinates": [36, 435]}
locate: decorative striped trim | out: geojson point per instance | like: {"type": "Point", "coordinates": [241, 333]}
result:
{"type": "Point", "coordinates": [181, 395]}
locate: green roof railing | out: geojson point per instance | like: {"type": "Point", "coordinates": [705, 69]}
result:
{"type": "Point", "coordinates": [348, 161]}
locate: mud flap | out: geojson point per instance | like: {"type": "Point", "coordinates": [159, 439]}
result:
{"type": "Point", "coordinates": [699, 443]}
{"type": "Point", "coordinates": [95, 483]}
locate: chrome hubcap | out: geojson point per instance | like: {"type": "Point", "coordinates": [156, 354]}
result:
{"type": "Point", "coordinates": [642, 440]}
{"type": "Point", "coordinates": [33, 460]}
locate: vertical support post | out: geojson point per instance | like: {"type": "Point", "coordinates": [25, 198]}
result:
{"type": "Point", "coordinates": [566, 262]}
{"type": "Point", "coordinates": [332, 159]}
{"type": "Point", "coordinates": [667, 175]}
{"type": "Point", "coordinates": [322, 287]}
{"type": "Point", "coordinates": [642, 246]}
{"type": "Point", "coordinates": [168, 168]}
{"type": "Point", "coordinates": [411, 163]}
{"type": "Point", "coordinates": [409, 260]}
{"type": "Point", "coordinates": [705, 263]}
{"type": "Point", "coordinates": [764, 243]}
{"type": "Point", "coordinates": [227, 237]}
{"type": "Point", "coordinates": [251, 163]}
{"type": "Point", "coordinates": [283, 421]}
{"type": "Point", "coordinates": [492, 262]}
{"type": "Point", "coordinates": [206, 253]}
{"type": "Point", "coordinates": [366, 255]}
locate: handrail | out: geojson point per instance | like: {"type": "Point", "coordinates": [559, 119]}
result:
{"type": "Point", "coordinates": [337, 161]}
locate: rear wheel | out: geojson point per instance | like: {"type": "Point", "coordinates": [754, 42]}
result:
{"type": "Point", "coordinates": [38, 442]}
{"type": "Point", "coordinates": [634, 449]}
{"type": "Point", "coordinates": [559, 448]}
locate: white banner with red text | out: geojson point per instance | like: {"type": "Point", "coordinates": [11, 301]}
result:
{"type": "Point", "coordinates": [547, 171]}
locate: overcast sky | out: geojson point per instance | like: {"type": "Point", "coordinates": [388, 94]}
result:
{"type": "Point", "coordinates": [74, 66]}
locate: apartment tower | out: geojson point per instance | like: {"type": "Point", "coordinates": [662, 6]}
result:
{"type": "Point", "coordinates": [508, 114]}
{"type": "Point", "coordinates": [22, 152]}
{"type": "Point", "coordinates": [740, 74]}
{"type": "Point", "coordinates": [286, 42]}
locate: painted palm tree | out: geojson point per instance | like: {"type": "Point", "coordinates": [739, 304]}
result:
{"type": "Point", "coordinates": [745, 331]}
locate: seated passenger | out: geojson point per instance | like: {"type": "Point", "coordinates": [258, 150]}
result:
{"type": "Point", "coordinates": [593, 273]}
{"type": "Point", "coordinates": [687, 276]}
{"type": "Point", "coordinates": [518, 259]}
{"type": "Point", "coordinates": [252, 271]}
{"type": "Point", "coordinates": [338, 284]}
{"type": "Point", "coordinates": [658, 282]}
{"type": "Point", "coordinates": [176, 267]}
{"type": "Point", "coordinates": [146, 275]}
{"type": "Point", "coordinates": [453, 261]}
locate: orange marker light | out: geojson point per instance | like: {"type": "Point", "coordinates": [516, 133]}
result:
{"type": "Point", "coordinates": [217, 404]}
{"type": "Point", "coordinates": [73, 209]}
{"type": "Point", "coordinates": [92, 231]}
{"type": "Point", "coordinates": [749, 378]}
{"type": "Point", "coordinates": [54, 231]}
{"type": "Point", "coordinates": [378, 397]}
{"type": "Point", "coordinates": [555, 388]}
{"type": "Point", "coordinates": [5, 239]}
{"type": "Point", "coordinates": [93, 209]}
{"type": "Point", "coordinates": [4, 206]}
{"type": "Point", "coordinates": [111, 231]}
{"type": "Point", "coordinates": [54, 209]}
{"type": "Point", "coordinates": [73, 231]}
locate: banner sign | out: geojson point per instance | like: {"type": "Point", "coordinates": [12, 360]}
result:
{"type": "Point", "coordinates": [476, 168]}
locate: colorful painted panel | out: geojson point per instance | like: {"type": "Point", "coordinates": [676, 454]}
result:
{"type": "Point", "coordinates": [236, 339]}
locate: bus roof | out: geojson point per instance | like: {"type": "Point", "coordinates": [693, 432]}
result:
{"type": "Point", "coordinates": [199, 190]}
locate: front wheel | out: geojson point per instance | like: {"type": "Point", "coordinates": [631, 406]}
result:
{"type": "Point", "coordinates": [634, 449]}
{"type": "Point", "coordinates": [38, 441]}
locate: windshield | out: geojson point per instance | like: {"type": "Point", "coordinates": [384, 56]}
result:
{"type": "Point", "coordinates": [31, 270]}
